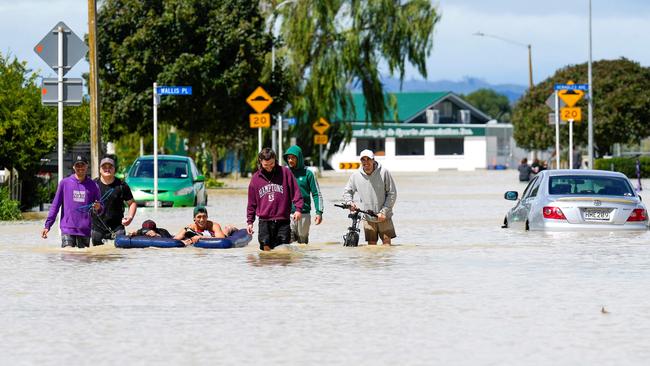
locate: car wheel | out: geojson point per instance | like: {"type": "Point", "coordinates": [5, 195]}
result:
{"type": "Point", "coordinates": [527, 227]}
{"type": "Point", "coordinates": [505, 223]}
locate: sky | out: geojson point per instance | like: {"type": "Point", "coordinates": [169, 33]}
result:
{"type": "Point", "coordinates": [557, 31]}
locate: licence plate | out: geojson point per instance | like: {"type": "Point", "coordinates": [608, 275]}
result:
{"type": "Point", "coordinates": [150, 203]}
{"type": "Point", "coordinates": [594, 214]}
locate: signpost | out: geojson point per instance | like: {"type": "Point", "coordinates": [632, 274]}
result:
{"type": "Point", "coordinates": [157, 92]}
{"type": "Point", "coordinates": [259, 100]}
{"type": "Point", "coordinates": [320, 126]}
{"type": "Point", "coordinates": [72, 92]}
{"type": "Point", "coordinates": [569, 93]}
{"type": "Point", "coordinates": [346, 166]}
{"type": "Point", "coordinates": [61, 49]}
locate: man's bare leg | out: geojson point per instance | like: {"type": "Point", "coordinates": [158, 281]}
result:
{"type": "Point", "coordinates": [385, 239]}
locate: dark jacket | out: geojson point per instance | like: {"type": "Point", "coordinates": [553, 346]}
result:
{"type": "Point", "coordinates": [524, 172]}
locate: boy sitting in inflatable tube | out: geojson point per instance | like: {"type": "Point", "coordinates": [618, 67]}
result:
{"type": "Point", "coordinates": [149, 229]}
{"type": "Point", "coordinates": [202, 228]}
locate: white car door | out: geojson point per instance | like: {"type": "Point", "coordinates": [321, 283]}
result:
{"type": "Point", "coordinates": [520, 212]}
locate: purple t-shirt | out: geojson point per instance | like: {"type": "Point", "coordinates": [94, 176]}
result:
{"type": "Point", "coordinates": [74, 196]}
{"type": "Point", "coordinates": [270, 197]}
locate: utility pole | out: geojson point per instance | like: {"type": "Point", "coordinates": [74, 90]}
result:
{"type": "Point", "coordinates": [93, 89]}
{"type": "Point", "coordinates": [590, 103]}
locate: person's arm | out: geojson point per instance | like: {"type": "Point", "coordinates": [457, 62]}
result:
{"type": "Point", "coordinates": [296, 198]}
{"type": "Point", "coordinates": [317, 196]}
{"type": "Point", "coordinates": [96, 197]}
{"type": "Point", "coordinates": [218, 232]}
{"type": "Point", "coordinates": [251, 207]}
{"type": "Point", "coordinates": [180, 235]}
{"type": "Point", "coordinates": [390, 197]}
{"type": "Point", "coordinates": [54, 210]}
{"type": "Point", "coordinates": [126, 221]}
{"type": "Point", "coordinates": [348, 192]}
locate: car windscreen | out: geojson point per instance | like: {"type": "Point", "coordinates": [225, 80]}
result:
{"type": "Point", "coordinates": [590, 185]}
{"type": "Point", "coordinates": [166, 169]}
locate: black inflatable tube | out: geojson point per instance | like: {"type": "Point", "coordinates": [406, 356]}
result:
{"type": "Point", "coordinates": [238, 239]}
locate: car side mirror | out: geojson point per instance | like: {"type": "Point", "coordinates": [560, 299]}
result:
{"type": "Point", "coordinates": [200, 178]}
{"type": "Point", "coordinates": [511, 195]}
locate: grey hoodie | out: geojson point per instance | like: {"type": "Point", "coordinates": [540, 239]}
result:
{"type": "Point", "coordinates": [376, 192]}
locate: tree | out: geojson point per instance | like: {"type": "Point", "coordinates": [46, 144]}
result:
{"type": "Point", "coordinates": [492, 103]}
{"type": "Point", "coordinates": [332, 45]}
{"type": "Point", "coordinates": [217, 47]}
{"type": "Point", "coordinates": [28, 130]}
{"type": "Point", "coordinates": [621, 94]}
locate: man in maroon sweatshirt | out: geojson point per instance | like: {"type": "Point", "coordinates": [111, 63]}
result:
{"type": "Point", "coordinates": [270, 193]}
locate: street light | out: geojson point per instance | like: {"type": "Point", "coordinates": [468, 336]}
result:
{"type": "Point", "coordinates": [530, 57]}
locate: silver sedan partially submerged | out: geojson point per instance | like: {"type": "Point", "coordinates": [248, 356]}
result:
{"type": "Point", "coordinates": [577, 199]}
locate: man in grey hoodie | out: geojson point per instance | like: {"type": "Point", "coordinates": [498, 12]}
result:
{"type": "Point", "coordinates": [376, 192]}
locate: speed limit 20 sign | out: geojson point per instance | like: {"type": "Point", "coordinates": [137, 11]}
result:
{"type": "Point", "coordinates": [259, 120]}
{"type": "Point", "coordinates": [571, 113]}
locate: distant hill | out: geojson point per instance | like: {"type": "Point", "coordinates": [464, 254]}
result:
{"type": "Point", "coordinates": [465, 86]}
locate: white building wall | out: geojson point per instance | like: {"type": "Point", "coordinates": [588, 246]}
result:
{"type": "Point", "coordinates": [474, 157]}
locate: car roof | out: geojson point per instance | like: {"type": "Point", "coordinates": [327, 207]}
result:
{"type": "Point", "coordinates": [164, 157]}
{"type": "Point", "coordinates": [601, 173]}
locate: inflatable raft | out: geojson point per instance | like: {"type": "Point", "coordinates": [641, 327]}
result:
{"type": "Point", "coordinates": [238, 239]}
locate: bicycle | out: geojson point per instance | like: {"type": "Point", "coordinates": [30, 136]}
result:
{"type": "Point", "coordinates": [351, 238]}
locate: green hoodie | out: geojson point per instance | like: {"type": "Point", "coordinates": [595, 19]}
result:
{"type": "Point", "coordinates": [306, 181]}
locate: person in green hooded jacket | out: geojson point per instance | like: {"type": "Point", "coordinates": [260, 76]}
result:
{"type": "Point", "coordinates": [309, 189]}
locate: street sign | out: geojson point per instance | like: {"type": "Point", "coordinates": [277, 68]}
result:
{"type": "Point", "coordinates": [259, 120]}
{"type": "Point", "coordinates": [550, 102]}
{"type": "Point", "coordinates": [570, 97]}
{"type": "Point", "coordinates": [74, 49]}
{"type": "Point", "coordinates": [569, 94]}
{"type": "Point", "coordinates": [320, 139]}
{"type": "Point", "coordinates": [259, 100]}
{"type": "Point", "coordinates": [174, 90]}
{"type": "Point", "coordinates": [346, 166]}
{"type": "Point", "coordinates": [321, 126]}
{"type": "Point", "coordinates": [72, 91]}
{"type": "Point", "coordinates": [291, 121]}
{"type": "Point", "coordinates": [551, 119]}
{"type": "Point", "coordinates": [572, 86]}
{"type": "Point", "coordinates": [571, 113]}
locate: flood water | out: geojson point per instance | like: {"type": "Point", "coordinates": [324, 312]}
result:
{"type": "Point", "coordinates": [456, 290]}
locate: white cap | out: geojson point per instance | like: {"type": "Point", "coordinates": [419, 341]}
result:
{"type": "Point", "coordinates": [107, 161]}
{"type": "Point", "coordinates": [367, 153]}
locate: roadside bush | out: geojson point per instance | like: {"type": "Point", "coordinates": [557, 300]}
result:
{"type": "Point", "coordinates": [213, 183]}
{"type": "Point", "coordinates": [8, 208]}
{"type": "Point", "coordinates": [625, 165]}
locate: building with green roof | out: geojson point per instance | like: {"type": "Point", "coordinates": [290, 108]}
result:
{"type": "Point", "coordinates": [427, 131]}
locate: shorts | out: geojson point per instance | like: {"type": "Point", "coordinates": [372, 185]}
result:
{"type": "Point", "coordinates": [300, 229]}
{"type": "Point", "coordinates": [99, 235]}
{"type": "Point", "coordinates": [75, 241]}
{"type": "Point", "coordinates": [376, 230]}
{"type": "Point", "coordinates": [273, 233]}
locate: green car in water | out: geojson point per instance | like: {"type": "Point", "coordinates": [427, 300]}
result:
{"type": "Point", "coordinates": [179, 181]}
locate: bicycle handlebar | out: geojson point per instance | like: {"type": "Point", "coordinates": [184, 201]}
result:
{"type": "Point", "coordinates": [347, 207]}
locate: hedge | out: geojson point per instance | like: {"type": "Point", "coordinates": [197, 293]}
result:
{"type": "Point", "coordinates": [626, 166]}
{"type": "Point", "coordinates": [9, 209]}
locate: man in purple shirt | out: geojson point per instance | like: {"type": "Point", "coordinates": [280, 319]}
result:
{"type": "Point", "coordinates": [78, 195]}
{"type": "Point", "coordinates": [270, 193]}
